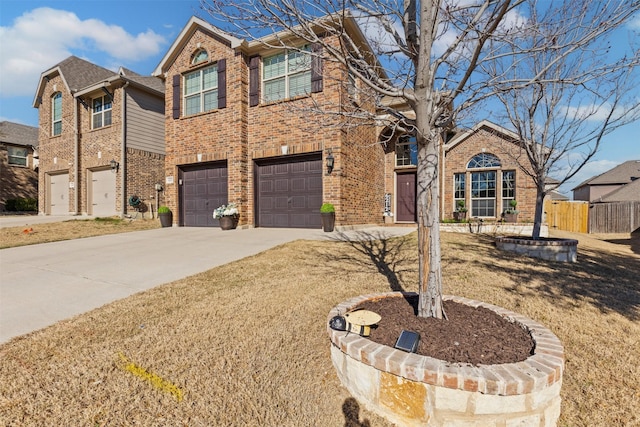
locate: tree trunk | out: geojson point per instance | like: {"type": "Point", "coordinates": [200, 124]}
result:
{"type": "Point", "coordinates": [429, 265]}
{"type": "Point", "coordinates": [537, 219]}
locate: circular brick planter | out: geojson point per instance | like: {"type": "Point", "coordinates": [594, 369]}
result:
{"type": "Point", "coordinates": [562, 250]}
{"type": "Point", "coordinates": [413, 390]}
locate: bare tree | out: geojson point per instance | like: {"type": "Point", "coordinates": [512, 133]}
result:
{"type": "Point", "coordinates": [430, 55]}
{"type": "Point", "coordinates": [580, 93]}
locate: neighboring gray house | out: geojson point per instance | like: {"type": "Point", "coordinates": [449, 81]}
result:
{"type": "Point", "coordinates": [599, 188]}
{"type": "Point", "coordinates": [18, 162]}
{"type": "Point", "coordinates": [101, 139]}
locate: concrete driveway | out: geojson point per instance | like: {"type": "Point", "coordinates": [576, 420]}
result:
{"type": "Point", "coordinates": [43, 284]}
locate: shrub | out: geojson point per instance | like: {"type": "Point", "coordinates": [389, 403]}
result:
{"type": "Point", "coordinates": [21, 205]}
{"type": "Point", "coordinates": [327, 208]}
{"type": "Point", "coordinates": [163, 209]}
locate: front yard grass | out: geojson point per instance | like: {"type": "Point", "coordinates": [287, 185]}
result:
{"type": "Point", "coordinates": [245, 343]}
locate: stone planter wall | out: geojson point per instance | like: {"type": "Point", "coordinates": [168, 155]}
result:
{"type": "Point", "coordinates": [494, 228]}
{"type": "Point", "coordinates": [562, 250]}
{"type": "Point", "coordinates": [413, 390]}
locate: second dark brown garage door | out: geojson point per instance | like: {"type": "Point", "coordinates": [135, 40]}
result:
{"type": "Point", "coordinates": [202, 189]}
{"type": "Point", "coordinates": [289, 192]}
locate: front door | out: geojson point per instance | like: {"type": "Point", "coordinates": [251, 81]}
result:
{"type": "Point", "coordinates": [406, 197]}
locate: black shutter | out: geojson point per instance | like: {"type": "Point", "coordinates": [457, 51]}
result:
{"type": "Point", "coordinates": [222, 83]}
{"type": "Point", "coordinates": [254, 81]}
{"type": "Point", "coordinates": [316, 68]}
{"type": "Point", "coordinates": [176, 96]}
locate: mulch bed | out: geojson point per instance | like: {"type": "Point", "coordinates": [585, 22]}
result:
{"type": "Point", "coordinates": [469, 335]}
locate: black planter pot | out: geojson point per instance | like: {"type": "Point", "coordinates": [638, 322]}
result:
{"type": "Point", "coordinates": [228, 222]}
{"type": "Point", "coordinates": [166, 219]}
{"type": "Point", "coordinates": [328, 221]}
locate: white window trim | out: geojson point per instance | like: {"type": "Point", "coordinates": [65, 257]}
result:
{"type": "Point", "coordinates": [101, 113]}
{"type": "Point", "coordinates": [201, 93]}
{"type": "Point", "coordinates": [53, 110]}
{"type": "Point", "coordinates": [405, 142]}
{"type": "Point", "coordinates": [287, 75]}
{"type": "Point", "coordinates": [9, 157]}
{"type": "Point", "coordinates": [494, 198]}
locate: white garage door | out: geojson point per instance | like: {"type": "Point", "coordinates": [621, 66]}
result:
{"type": "Point", "coordinates": [59, 194]}
{"type": "Point", "coordinates": [103, 193]}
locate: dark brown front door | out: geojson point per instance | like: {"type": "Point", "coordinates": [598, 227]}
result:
{"type": "Point", "coordinates": [289, 192]}
{"type": "Point", "coordinates": [406, 197]}
{"type": "Point", "coordinates": [202, 189]}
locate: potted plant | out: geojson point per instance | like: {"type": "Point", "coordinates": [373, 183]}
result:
{"type": "Point", "coordinates": [328, 214]}
{"type": "Point", "coordinates": [165, 215]}
{"type": "Point", "coordinates": [228, 216]}
{"type": "Point", "coordinates": [511, 214]}
{"type": "Point", "coordinates": [460, 214]}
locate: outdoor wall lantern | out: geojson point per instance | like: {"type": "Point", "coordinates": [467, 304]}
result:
{"type": "Point", "coordinates": [330, 161]}
{"type": "Point", "coordinates": [114, 165]}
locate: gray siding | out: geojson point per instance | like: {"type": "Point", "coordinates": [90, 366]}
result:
{"type": "Point", "coordinates": [145, 121]}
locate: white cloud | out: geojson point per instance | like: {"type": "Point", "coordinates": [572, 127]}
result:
{"type": "Point", "coordinates": [43, 37]}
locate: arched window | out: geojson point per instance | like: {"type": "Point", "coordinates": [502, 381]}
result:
{"type": "Point", "coordinates": [56, 114]}
{"type": "Point", "coordinates": [486, 179]}
{"type": "Point", "coordinates": [484, 160]}
{"type": "Point", "coordinates": [199, 56]}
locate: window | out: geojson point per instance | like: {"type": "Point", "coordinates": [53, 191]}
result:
{"type": "Point", "coordinates": [201, 91]}
{"type": "Point", "coordinates": [508, 188]}
{"type": "Point", "coordinates": [56, 114]}
{"type": "Point", "coordinates": [17, 156]}
{"type": "Point", "coordinates": [406, 151]}
{"type": "Point", "coordinates": [286, 75]}
{"type": "Point", "coordinates": [484, 160]}
{"type": "Point", "coordinates": [101, 115]}
{"type": "Point", "coordinates": [200, 56]}
{"type": "Point", "coordinates": [483, 194]}
{"type": "Point", "coordinates": [459, 188]}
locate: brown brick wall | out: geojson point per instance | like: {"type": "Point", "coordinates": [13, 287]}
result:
{"type": "Point", "coordinates": [240, 134]}
{"type": "Point", "coordinates": [56, 152]}
{"type": "Point", "coordinates": [486, 141]}
{"type": "Point", "coordinates": [145, 171]}
{"type": "Point", "coordinates": [16, 181]}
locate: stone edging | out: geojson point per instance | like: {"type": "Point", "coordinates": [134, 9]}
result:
{"type": "Point", "coordinates": [538, 372]}
{"type": "Point", "coordinates": [561, 250]}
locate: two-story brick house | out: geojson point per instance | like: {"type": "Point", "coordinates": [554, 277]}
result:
{"type": "Point", "coordinates": [101, 139]}
{"type": "Point", "coordinates": [18, 162]}
{"type": "Point", "coordinates": [237, 131]}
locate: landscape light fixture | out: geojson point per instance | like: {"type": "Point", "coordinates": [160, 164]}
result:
{"type": "Point", "coordinates": [330, 161]}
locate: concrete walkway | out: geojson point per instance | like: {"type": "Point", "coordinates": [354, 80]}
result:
{"type": "Point", "coordinates": [43, 284]}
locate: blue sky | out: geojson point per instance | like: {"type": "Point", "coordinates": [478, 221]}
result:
{"type": "Point", "coordinates": [35, 35]}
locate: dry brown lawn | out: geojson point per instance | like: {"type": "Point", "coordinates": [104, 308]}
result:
{"type": "Point", "coordinates": [245, 344]}
{"type": "Point", "coordinates": [72, 229]}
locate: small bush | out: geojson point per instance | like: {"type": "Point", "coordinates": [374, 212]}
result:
{"type": "Point", "coordinates": [163, 209]}
{"type": "Point", "coordinates": [327, 208]}
{"type": "Point", "coordinates": [21, 205]}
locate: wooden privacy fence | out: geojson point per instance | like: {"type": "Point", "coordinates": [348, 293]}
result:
{"type": "Point", "coordinates": [567, 216]}
{"type": "Point", "coordinates": [618, 217]}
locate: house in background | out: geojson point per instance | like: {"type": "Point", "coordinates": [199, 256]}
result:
{"type": "Point", "coordinates": [238, 129]}
{"type": "Point", "coordinates": [600, 187]}
{"type": "Point", "coordinates": [18, 162]}
{"type": "Point", "coordinates": [101, 139]}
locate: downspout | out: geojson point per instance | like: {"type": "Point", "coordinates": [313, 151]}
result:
{"type": "Point", "coordinates": [76, 156]}
{"type": "Point", "coordinates": [123, 158]}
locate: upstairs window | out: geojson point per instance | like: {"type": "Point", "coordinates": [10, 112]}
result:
{"type": "Point", "coordinates": [101, 114]}
{"type": "Point", "coordinates": [56, 114]}
{"type": "Point", "coordinates": [286, 75]}
{"type": "Point", "coordinates": [407, 152]}
{"type": "Point", "coordinates": [200, 56]}
{"type": "Point", "coordinates": [201, 90]}
{"type": "Point", "coordinates": [17, 156]}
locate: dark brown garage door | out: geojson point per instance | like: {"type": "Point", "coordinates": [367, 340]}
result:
{"type": "Point", "coordinates": [202, 189]}
{"type": "Point", "coordinates": [289, 192]}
